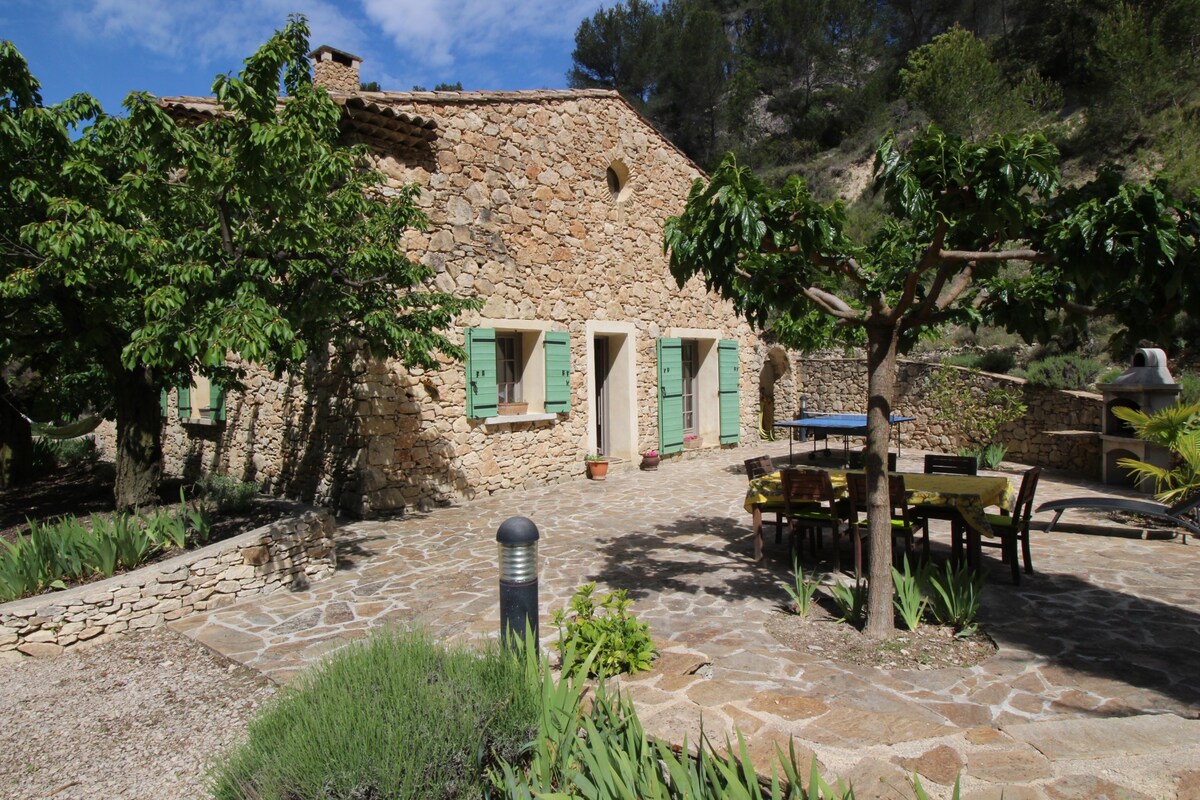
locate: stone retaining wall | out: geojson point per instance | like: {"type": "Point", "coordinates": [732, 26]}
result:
{"type": "Point", "coordinates": [291, 552]}
{"type": "Point", "coordinates": [1060, 430]}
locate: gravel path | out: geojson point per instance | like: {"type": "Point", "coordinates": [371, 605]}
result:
{"type": "Point", "coordinates": [138, 716]}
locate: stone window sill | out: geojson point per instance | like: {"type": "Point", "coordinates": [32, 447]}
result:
{"type": "Point", "coordinates": [509, 419]}
{"type": "Point", "coordinates": [202, 422]}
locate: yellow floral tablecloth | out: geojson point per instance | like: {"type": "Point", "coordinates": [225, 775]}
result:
{"type": "Point", "coordinates": [969, 495]}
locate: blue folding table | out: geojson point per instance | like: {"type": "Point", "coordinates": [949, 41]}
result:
{"type": "Point", "coordinates": [819, 426]}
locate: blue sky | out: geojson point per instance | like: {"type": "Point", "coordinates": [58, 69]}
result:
{"type": "Point", "coordinates": [174, 47]}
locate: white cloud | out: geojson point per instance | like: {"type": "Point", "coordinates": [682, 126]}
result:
{"type": "Point", "coordinates": [443, 33]}
{"type": "Point", "coordinates": [207, 32]}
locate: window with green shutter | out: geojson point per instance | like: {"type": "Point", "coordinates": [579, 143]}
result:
{"type": "Point", "coordinates": [216, 403]}
{"type": "Point", "coordinates": [482, 393]}
{"type": "Point", "coordinates": [185, 402]}
{"type": "Point", "coordinates": [670, 395]}
{"type": "Point", "coordinates": [728, 394]}
{"type": "Point", "coordinates": [558, 372]}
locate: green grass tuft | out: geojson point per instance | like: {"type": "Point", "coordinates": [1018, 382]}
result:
{"type": "Point", "coordinates": [393, 717]}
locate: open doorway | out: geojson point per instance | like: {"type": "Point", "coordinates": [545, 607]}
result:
{"type": "Point", "coordinates": [602, 422]}
{"type": "Point", "coordinates": [612, 388]}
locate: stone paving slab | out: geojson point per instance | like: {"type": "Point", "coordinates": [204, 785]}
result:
{"type": "Point", "coordinates": [1094, 738]}
{"type": "Point", "coordinates": [1107, 629]}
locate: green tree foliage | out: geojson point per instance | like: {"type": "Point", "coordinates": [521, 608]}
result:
{"type": "Point", "coordinates": [955, 81]}
{"type": "Point", "coordinates": [154, 247]}
{"type": "Point", "coordinates": [617, 49]}
{"type": "Point", "coordinates": [816, 63]}
{"type": "Point", "coordinates": [794, 78]}
{"type": "Point", "coordinates": [957, 213]}
{"type": "Point", "coordinates": [1054, 37]}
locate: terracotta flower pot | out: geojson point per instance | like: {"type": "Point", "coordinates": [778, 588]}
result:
{"type": "Point", "coordinates": [597, 470]}
{"type": "Point", "coordinates": [651, 462]}
{"type": "Point", "coordinates": [511, 409]}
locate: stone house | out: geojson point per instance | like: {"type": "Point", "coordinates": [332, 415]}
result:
{"type": "Point", "coordinates": [550, 206]}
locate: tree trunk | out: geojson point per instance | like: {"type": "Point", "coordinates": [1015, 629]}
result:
{"type": "Point", "coordinates": [881, 390]}
{"type": "Point", "coordinates": [16, 442]}
{"type": "Point", "coordinates": [139, 439]}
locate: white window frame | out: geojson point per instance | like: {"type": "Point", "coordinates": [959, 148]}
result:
{"type": "Point", "coordinates": [531, 334]}
{"type": "Point", "coordinates": [707, 380]}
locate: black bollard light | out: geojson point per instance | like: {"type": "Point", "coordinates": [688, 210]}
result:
{"type": "Point", "coordinates": [517, 538]}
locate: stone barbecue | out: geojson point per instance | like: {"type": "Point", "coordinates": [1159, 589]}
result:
{"type": "Point", "coordinates": [1146, 386]}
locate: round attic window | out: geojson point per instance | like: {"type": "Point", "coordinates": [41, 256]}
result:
{"type": "Point", "coordinates": [617, 175]}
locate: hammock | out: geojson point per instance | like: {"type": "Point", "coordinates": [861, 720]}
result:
{"type": "Point", "coordinates": [765, 433]}
{"type": "Point", "coordinates": [72, 430]}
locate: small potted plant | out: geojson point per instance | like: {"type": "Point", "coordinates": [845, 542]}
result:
{"type": "Point", "coordinates": [597, 466]}
{"type": "Point", "coordinates": [650, 459]}
{"type": "Point", "coordinates": [692, 442]}
{"type": "Point", "coordinates": [512, 408]}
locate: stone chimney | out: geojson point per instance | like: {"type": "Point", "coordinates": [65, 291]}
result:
{"type": "Point", "coordinates": [335, 70]}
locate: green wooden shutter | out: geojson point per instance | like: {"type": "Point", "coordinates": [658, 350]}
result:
{"type": "Point", "coordinates": [558, 372]}
{"type": "Point", "coordinates": [216, 401]}
{"type": "Point", "coordinates": [731, 407]}
{"type": "Point", "coordinates": [670, 395]}
{"type": "Point", "coordinates": [162, 403]}
{"type": "Point", "coordinates": [482, 394]}
{"type": "Point", "coordinates": [185, 402]}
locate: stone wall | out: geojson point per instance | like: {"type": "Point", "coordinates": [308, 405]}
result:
{"type": "Point", "coordinates": [522, 215]}
{"type": "Point", "coordinates": [1060, 429]}
{"type": "Point", "coordinates": [288, 553]}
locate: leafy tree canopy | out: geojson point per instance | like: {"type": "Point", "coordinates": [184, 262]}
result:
{"type": "Point", "coordinates": [153, 248]}
{"type": "Point", "coordinates": [972, 231]}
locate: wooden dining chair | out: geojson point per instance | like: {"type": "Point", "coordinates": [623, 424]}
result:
{"type": "Point", "coordinates": [941, 464]}
{"type": "Point", "coordinates": [1010, 531]}
{"type": "Point", "coordinates": [904, 521]}
{"type": "Point", "coordinates": [809, 505]}
{"type": "Point", "coordinates": [858, 460]}
{"type": "Point", "coordinates": [759, 466]}
{"type": "Point", "coordinates": [756, 468]}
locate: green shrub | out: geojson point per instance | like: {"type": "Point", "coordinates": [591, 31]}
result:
{"type": "Point", "coordinates": [1063, 372]}
{"type": "Point", "coordinates": [988, 457]}
{"type": "Point", "coordinates": [1189, 389]}
{"type": "Point", "coordinates": [955, 595]}
{"type": "Point", "coordinates": [1000, 361]}
{"type": "Point", "coordinates": [51, 454]}
{"type": "Point", "coordinates": [43, 459]}
{"type": "Point", "coordinates": [393, 717]}
{"type": "Point", "coordinates": [64, 549]}
{"type": "Point", "coordinates": [997, 361]}
{"type": "Point", "coordinates": [967, 360]}
{"type": "Point", "coordinates": [44, 558]}
{"type": "Point", "coordinates": [228, 494]}
{"type": "Point", "coordinates": [623, 644]}
{"type": "Point", "coordinates": [1112, 373]}
{"type": "Point", "coordinates": [602, 752]}
{"type": "Point", "coordinates": [802, 589]}
{"type": "Point", "coordinates": [851, 601]}
{"type": "Point", "coordinates": [976, 413]}
{"type": "Point", "coordinates": [72, 452]}
{"type": "Point", "coordinates": [910, 599]}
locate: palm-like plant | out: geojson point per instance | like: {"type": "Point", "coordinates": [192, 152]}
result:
{"type": "Point", "coordinates": [1176, 428]}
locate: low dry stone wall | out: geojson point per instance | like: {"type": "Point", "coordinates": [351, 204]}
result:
{"type": "Point", "coordinates": [1060, 430]}
{"type": "Point", "coordinates": [290, 552]}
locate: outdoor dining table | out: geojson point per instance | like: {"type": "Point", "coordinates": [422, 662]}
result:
{"type": "Point", "coordinates": [967, 495]}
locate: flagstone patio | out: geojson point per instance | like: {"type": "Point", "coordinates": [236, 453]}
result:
{"type": "Point", "coordinates": [1094, 692]}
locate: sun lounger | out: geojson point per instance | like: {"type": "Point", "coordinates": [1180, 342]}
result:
{"type": "Point", "coordinates": [1179, 515]}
